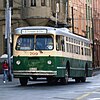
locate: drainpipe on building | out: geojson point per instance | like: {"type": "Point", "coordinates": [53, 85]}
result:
{"type": "Point", "coordinates": [66, 10]}
{"type": "Point", "coordinates": [72, 21]}
{"type": "Point", "coordinates": [93, 43]}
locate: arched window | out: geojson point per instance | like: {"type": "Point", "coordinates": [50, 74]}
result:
{"type": "Point", "coordinates": [43, 3]}
{"type": "Point", "coordinates": [33, 2]}
{"type": "Point", "coordinates": [24, 3]}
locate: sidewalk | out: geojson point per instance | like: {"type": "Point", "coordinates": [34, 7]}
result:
{"type": "Point", "coordinates": [96, 71]}
{"type": "Point", "coordinates": [13, 82]}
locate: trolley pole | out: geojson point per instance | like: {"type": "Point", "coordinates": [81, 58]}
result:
{"type": "Point", "coordinates": [57, 11]}
{"type": "Point", "coordinates": [8, 30]}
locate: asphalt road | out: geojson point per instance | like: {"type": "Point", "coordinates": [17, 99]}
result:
{"type": "Point", "coordinates": [90, 90]}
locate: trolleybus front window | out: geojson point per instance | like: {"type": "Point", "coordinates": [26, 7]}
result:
{"type": "Point", "coordinates": [25, 43]}
{"type": "Point", "coordinates": [44, 42]}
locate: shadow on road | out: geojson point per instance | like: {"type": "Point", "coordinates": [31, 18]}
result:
{"type": "Point", "coordinates": [45, 84]}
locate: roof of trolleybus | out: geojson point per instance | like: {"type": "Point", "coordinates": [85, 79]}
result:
{"type": "Point", "coordinates": [49, 30]}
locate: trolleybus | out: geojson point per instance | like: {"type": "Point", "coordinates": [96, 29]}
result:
{"type": "Point", "coordinates": [52, 53]}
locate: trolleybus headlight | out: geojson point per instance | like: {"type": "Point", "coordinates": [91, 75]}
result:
{"type": "Point", "coordinates": [49, 62]}
{"type": "Point", "coordinates": [18, 62]}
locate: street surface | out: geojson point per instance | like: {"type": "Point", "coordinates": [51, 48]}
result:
{"type": "Point", "coordinates": [42, 91]}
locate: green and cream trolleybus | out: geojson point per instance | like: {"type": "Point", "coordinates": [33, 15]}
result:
{"type": "Point", "coordinates": [52, 53]}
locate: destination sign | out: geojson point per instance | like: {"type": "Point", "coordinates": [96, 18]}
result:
{"type": "Point", "coordinates": [33, 31]}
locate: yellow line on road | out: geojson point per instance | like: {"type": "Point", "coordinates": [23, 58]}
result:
{"type": "Point", "coordinates": [85, 95]}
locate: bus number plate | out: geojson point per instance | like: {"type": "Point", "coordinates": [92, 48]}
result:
{"type": "Point", "coordinates": [33, 53]}
{"type": "Point", "coordinates": [33, 69]}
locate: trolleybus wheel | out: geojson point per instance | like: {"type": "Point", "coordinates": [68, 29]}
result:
{"type": "Point", "coordinates": [83, 79]}
{"type": "Point", "coordinates": [52, 80]}
{"type": "Point", "coordinates": [77, 79]}
{"type": "Point", "coordinates": [23, 81]}
{"type": "Point", "coordinates": [64, 80]}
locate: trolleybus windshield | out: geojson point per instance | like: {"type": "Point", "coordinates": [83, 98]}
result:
{"type": "Point", "coordinates": [25, 42]}
{"type": "Point", "coordinates": [44, 42]}
{"type": "Point", "coordinates": [38, 42]}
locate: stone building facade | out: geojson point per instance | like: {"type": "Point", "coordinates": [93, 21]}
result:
{"type": "Point", "coordinates": [96, 24]}
{"type": "Point", "coordinates": [82, 16]}
{"type": "Point", "coordinates": [30, 13]}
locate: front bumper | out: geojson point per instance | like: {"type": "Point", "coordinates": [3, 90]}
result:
{"type": "Point", "coordinates": [34, 73]}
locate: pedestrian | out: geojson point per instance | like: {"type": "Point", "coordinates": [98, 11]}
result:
{"type": "Point", "coordinates": [5, 71]}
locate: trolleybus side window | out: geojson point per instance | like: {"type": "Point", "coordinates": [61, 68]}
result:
{"type": "Point", "coordinates": [25, 43]}
{"type": "Point", "coordinates": [60, 44]}
{"type": "Point", "coordinates": [82, 51]}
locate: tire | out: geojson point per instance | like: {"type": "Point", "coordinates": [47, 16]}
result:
{"type": "Point", "coordinates": [86, 70]}
{"type": "Point", "coordinates": [64, 80]}
{"type": "Point", "coordinates": [23, 81]}
{"type": "Point", "coordinates": [83, 79]}
{"type": "Point", "coordinates": [77, 80]}
{"type": "Point", "coordinates": [52, 80]}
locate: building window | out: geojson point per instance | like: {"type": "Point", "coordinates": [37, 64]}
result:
{"type": "Point", "coordinates": [12, 12]}
{"type": "Point", "coordinates": [10, 3]}
{"type": "Point", "coordinates": [4, 3]}
{"type": "Point", "coordinates": [89, 13]}
{"type": "Point", "coordinates": [33, 2]}
{"type": "Point", "coordinates": [86, 12]}
{"type": "Point", "coordinates": [24, 3]}
{"type": "Point", "coordinates": [43, 3]}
